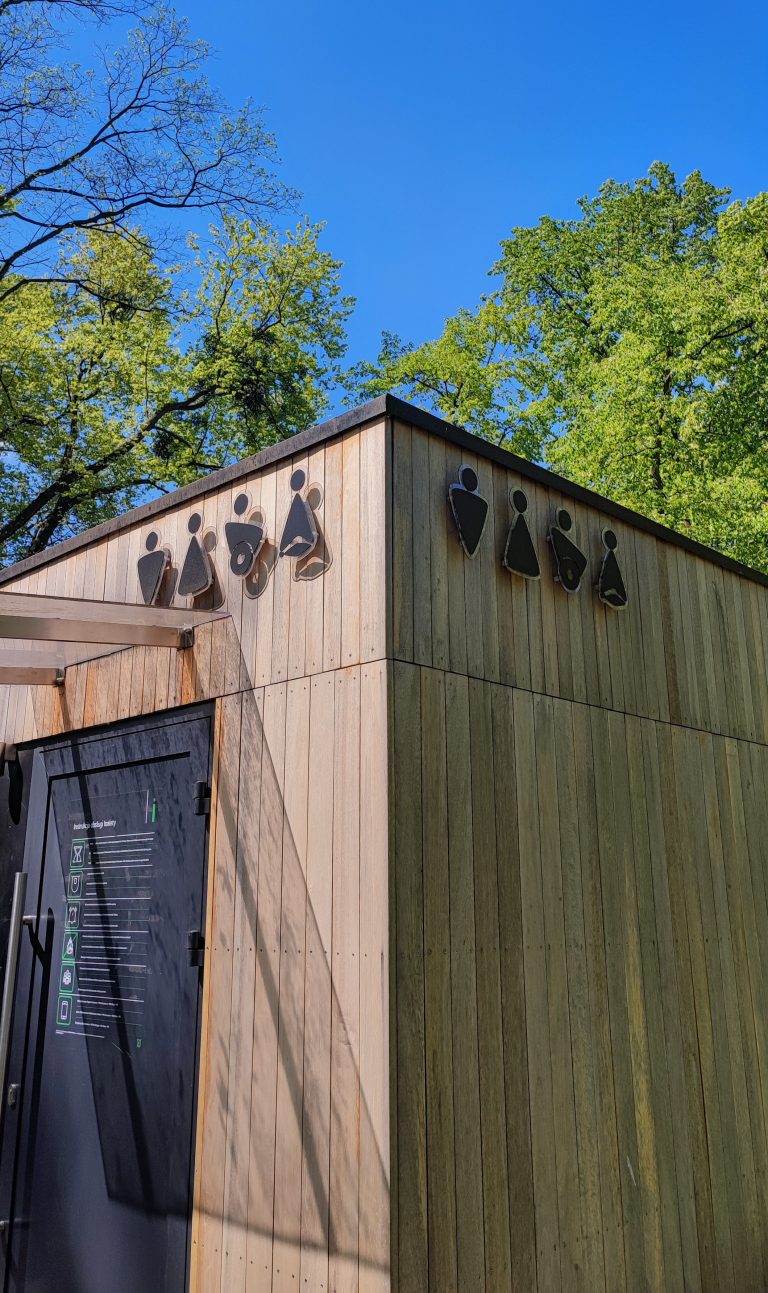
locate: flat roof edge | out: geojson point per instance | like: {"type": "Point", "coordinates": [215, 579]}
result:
{"type": "Point", "coordinates": [392, 406]}
{"type": "Point", "coordinates": [307, 439]}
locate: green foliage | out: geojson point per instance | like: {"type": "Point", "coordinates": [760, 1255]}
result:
{"type": "Point", "coordinates": [627, 349]}
{"type": "Point", "coordinates": [119, 374]}
{"type": "Point", "coordinates": [117, 381]}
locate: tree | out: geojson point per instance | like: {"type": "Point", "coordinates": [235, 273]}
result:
{"type": "Point", "coordinates": [120, 374]}
{"type": "Point", "coordinates": [139, 385]}
{"type": "Point", "coordinates": [142, 132]}
{"type": "Point", "coordinates": [627, 349]}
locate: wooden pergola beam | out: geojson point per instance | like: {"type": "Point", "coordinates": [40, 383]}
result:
{"type": "Point", "coordinates": [76, 619]}
{"type": "Point", "coordinates": [18, 668]}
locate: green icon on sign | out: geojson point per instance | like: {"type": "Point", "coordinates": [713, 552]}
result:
{"type": "Point", "coordinates": [77, 855]}
{"type": "Point", "coordinates": [75, 884]}
{"type": "Point", "coordinates": [67, 979]}
{"type": "Point", "coordinates": [64, 1012]}
{"type": "Point", "coordinates": [72, 919]}
{"type": "Point", "coordinates": [69, 947]}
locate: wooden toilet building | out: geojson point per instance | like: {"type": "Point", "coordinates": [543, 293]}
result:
{"type": "Point", "coordinates": [384, 883]}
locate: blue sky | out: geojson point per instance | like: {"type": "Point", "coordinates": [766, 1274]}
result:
{"type": "Point", "coordinates": [422, 132]}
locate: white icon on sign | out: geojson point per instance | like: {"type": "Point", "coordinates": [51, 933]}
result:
{"type": "Point", "coordinates": [66, 978]}
{"type": "Point", "coordinates": [73, 915]}
{"type": "Point", "coordinates": [75, 883]}
{"type": "Point", "coordinates": [77, 855]}
{"type": "Point", "coordinates": [64, 1010]}
{"type": "Point", "coordinates": [70, 946]}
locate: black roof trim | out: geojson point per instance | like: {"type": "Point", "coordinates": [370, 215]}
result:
{"type": "Point", "coordinates": [392, 406]}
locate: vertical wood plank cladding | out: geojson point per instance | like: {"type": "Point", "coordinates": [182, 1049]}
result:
{"type": "Point", "coordinates": [466, 1080]}
{"type": "Point", "coordinates": [687, 648]}
{"type": "Point", "coordinates": [292, 974]}
{"type": "Point", "coordinates": [409, 954]}
{"type": "Point", "coordinates": [284, 623]}
{"type": "Point", "coordinates": [536, 993]}
{"type": "Point", "coordinates": [374, 1207]}
{"type": "Point", "coordinates": [581, 914]}
{"type": "Point", "coordinates": [489, 1011]}
{"type": "Point", "coordinates": [238, 1098]}
{"type": "Point", "coordinates": [214, 1078]}
{"type": "Point", "coordinates": [441, 1182]}
{"type": "Point", "coordinates": [374, 533]}
{"type": "Point", "coordinates": [519, 1164]}
{"type": "Point", "coordinates": [332, 579]}
{"type": "Point", "coordinates": [420, 548]}
{"type": "Point", "coordinates": [318, 989]}
{"type": "Point", "coordinates": [352, 549]}
{"type": "Point", "coordinates": [261, 1182]}
{"type": "Point", "coordinates": [346, 1112]}
{"type": "Point", "coordinates": [402, 545]}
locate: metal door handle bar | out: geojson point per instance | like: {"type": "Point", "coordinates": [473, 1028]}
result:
{"type": "Point", "coordinates": [11, 971]}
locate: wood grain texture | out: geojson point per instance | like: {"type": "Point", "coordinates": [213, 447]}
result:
{"type": "Point", "coordinates": [485, 1000]}
{"type": "Point", "coordinates": [579, 938]}
{"type": "Point", "coordinates": [689, 647]}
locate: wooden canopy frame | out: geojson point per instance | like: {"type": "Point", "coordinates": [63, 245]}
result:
{"type": "Point", "coordinates": [74, 626]}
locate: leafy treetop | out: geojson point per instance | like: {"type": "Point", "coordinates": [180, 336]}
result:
{"type": "Point", "coordinates": [627, 349]}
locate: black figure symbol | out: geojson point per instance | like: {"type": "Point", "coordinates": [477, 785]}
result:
{"type": "Point", "coordinates": [152, 567]}
{"type": "Point", "coordinates": [470, 509]}
{"type": "Point", "coordinates": [570, 562]}
{"type": "Point", "coordinates": [300, 531]}
{"type": "Point", "coordinates": [519, 554]}
{"type": "Point", "coordinates": [610, 585]}
{"type": "Point", "coordinates": [245, 540]}
{"type": "Point", "coordinates": [196, 574]}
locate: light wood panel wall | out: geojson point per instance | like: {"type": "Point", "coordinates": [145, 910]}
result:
{"type": "Point", "coordinates": [292, 1161]}
{"type": "Point", "coordinates": [580, 1013]}
{"type": "Point", "coordinates": [293, 1187]}
{"type": "Point", "coordinates": [691, 647]}
{"type": "Point", "coordinates": [281, 625]}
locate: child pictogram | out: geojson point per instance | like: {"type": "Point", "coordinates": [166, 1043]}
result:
{"type": "Point", "coordinates": [519, 553]}
{"type": "Point", "coordinates": [300, 531]}
{"type": "Point", "coordinates": [570, 562]}
{"type": "Point", "coordinates": [245, 540]}
{"type": "Point", "coordinates": [152, 567]}
{"type": "Point", "coordinates": [610, 584]}
{"type": "Point", "coordinates": [196, 573]}
{"type": "Point", "coordinates": [470, 509]}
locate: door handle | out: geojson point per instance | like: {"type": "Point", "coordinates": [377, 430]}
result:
{"type": "Point", "coordinates": [11, 971]}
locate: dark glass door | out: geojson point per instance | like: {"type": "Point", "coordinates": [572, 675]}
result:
{"type": "Point", "coordinates": [96, 1151]}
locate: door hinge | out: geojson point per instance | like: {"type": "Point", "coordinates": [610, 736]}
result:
{"type": "Point", "coordinates": [196, 946]}
{"type": "Point", "coordinates": [202, 798]}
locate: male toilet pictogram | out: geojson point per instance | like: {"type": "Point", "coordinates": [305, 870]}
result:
{"type": "Point", "coordinates": [470, 509]}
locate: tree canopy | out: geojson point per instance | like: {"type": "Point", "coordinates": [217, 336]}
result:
{"type": "Point", "coordinates": [127, 364]}
{"type": "Point", "coordinates": [627, 349]}
{"type": "Point", "coordinates": [140, 132]}
{"type": "Point", "coordinates": [139, 386]}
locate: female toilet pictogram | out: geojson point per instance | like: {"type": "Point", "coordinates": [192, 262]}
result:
{"type": "Point", "coordinates": [196, 573]}
{"type": "Point", "coordinates": [245, 540]}
{"type": "Point", "coordinates": [519, 553]}
{"type": "Point", "coordinates": [152, 567]}
{"type": "Point", "coordinates": [300, 531]}
{"type": "Point", "coordinates": [611, 588]}
{"type": "Point", "coordinates": [470, 509]}
{"type": "Point", "coordinates": [570, 562]}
